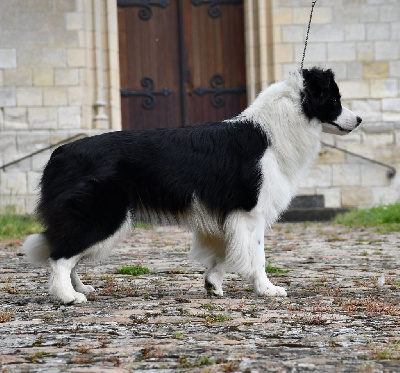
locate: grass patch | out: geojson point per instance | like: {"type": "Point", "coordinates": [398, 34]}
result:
{"type": "Point", "coordinates": [389, 351]}
{"type": "Point", "coordinates": [211, 318]}
{"type": "Point", "coordinates": [271, 269]}
{"type": "Point", "coordinates": [38, 356]}
{"type": "Point", "coordinates": [17, 226]}
{"type": "Point", "coordinates": [211, 306]}
{"type": "Point", "coordinates": [133, 271]}
{"type": "Point", "coordinates": [196, 362]}
{"type": "Point", "coordinates": [385, 218]}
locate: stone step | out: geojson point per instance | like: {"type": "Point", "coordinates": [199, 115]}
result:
{"type": "Point", "coordinates": [312, 214]}
{"type": "Point", "coordinates": [310, 208]}
{"type": "Point", "coordinates": [307, 201]}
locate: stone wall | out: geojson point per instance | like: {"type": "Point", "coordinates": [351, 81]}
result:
{"type": "Point", "coordinates": [360, 41]}
{"type": "Point", "coordinates": [58, 77]}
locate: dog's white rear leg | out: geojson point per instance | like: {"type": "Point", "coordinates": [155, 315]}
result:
{"type": "Point", "coordinates": [60, 284]}
{"type": "Point", "coordinates": [210, 250]}
{"type": "Point", "coordinates": [262, 285]}
{"type": "Point", "coordinates": [78, 285]}
{"type": "Point", "coordinates": [213, 278]}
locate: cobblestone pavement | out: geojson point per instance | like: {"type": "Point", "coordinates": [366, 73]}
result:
{"type": "Point", "coordinates": [336, 317]}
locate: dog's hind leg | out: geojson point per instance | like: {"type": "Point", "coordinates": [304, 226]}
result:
{"type": "Point", "coordinates": [210, 250]}
{"type": "Point", "coordinates": [64, 281]}
{"type": "Point", "coordinates": [60, 284]}
{"type": "Point", "coordinates": [99, 251]}
{"type": "Point", "coordinates": [78, 285]}
{"type": "Point", "coordinates": [213, 278]}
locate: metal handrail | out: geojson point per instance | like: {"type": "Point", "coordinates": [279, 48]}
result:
{"type": "Point", "coordinates": [391, 172]}
{"type": "Point", "coordinates": [69, 139]}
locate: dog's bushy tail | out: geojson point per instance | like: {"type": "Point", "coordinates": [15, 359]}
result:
{"type": "Point", "coordinates": [37, 249]}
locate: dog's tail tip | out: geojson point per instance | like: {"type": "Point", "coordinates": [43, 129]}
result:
{"type": "Point", "coordinates": [37, 249]}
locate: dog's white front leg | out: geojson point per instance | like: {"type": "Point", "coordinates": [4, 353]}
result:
{"type": "Point", "coordinates": [262, 285]}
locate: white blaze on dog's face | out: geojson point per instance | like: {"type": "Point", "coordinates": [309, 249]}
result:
{"type": "Point", "coordinates": [321, 100]}
{"type": "Point", "coordinates": [346, 122]}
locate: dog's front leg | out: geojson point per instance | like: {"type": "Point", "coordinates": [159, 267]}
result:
{"type": "Point", "coordinates": [262, 285]}
{"type": "Point", "coordinates": [245, 251]}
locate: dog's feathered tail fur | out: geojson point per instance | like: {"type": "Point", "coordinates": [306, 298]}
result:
{"type": "Point", "coordinates": [37, 249]}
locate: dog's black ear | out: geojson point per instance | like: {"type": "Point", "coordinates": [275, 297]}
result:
{"type": "Point", "coordinates": [316, 81]}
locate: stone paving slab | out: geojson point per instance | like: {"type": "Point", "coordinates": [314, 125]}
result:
{"type": "Point", "coordinates": [335, 319]}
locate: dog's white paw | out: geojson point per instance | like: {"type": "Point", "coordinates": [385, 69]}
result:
{"type": "Point", "coordinates": [85, 289]}
{"type": "Point", "coordinates": [280, 291]}
{"type": "Point", "coordinates": [218, 291]}
{"type": "Point", "coordinates": [266, 288]}
{"type": "Point", "coordinates": [213, 289]}
{"type": "Point", "coordinates": [71, 297]}
{"type": "Point", "coordinates": [79, 298]}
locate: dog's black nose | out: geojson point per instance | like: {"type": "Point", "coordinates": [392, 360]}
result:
{"type": "Point", "coordinates": [359, 120]}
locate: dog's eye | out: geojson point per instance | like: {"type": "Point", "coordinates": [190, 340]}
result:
{"type": "Point", "coordinates": [335, 101]}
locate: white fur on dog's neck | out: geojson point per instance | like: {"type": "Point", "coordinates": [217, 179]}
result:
{"type": "Point", "coordinates": [295, 140]}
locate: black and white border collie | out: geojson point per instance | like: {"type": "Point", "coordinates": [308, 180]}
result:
{"type": "Point", "coordinates": [224, 181]}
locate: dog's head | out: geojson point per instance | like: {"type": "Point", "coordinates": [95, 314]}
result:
{"type": "Point", "coordinates": [321, 100]}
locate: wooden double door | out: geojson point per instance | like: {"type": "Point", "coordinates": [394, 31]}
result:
{"type": "Point", "coordinates": [181, 61]}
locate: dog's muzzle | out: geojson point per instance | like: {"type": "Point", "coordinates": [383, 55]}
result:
{"type": "Point", "coordinates": [359, 120]}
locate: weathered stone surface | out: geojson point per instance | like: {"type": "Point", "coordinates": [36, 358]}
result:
{"type": "Point", "coordinates": [8, 58]}
{"type": "Point", "coordinates": [335, 318]}
{"type": "Point", "coordinates": [356, 196]}
{"type": "Point", "coordinates": [7, 97]}
{"type": "Point", "coordinates": [15, 118]}
{"type": "Point", "coordinates": [43, 77]}
{"type": "Point", "coordinates": [376, 70]}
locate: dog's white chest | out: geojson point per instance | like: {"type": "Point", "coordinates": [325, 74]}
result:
{"type": "Point", "coordinates": [275, 191]}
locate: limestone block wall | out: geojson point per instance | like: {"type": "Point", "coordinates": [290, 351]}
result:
{"type": "Point", "coordinates": [360, 41]}
{"type": "Point", "coordinates": [58, 77]}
